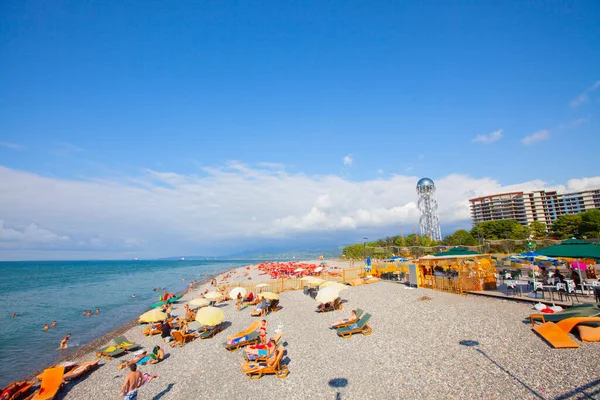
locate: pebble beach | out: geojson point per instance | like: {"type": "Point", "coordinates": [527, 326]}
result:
{"type": "Point", "coordinates": [433, 347]}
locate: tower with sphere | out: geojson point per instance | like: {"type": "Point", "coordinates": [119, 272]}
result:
{"type": "Point", "coordinates": [429, 221]}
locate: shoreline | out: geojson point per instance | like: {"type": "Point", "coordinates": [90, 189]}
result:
{"type": "Point", "coordinates": [91, 346]}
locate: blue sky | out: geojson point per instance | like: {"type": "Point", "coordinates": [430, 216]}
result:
{"type": "Point", "coordinates": [167, 97]}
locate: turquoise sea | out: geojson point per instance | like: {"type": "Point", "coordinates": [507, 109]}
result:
{"type": "Point", "coordinates": [42, 292]}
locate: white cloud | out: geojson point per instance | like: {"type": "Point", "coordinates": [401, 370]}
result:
{"type": "Point", "coordinates": [573, 124]}
{"type": "Point", "coordinates": [489, 138]}
{"type": "Point", "coordinates": [584, 97]}
{"type": "Point", "coordinates": [380, 171]}
{"type": "Point", "coordinates": [162, 213]}
{"type": "Point", "coordinates": [348, 160]}
{"type": "Point", "coordinates": [536, 137]}
{"type": "Point", "coordinates": [12, 146]}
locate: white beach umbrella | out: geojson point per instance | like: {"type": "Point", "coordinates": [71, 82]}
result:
{"type": "Point", "coordinates": [298, 270]}
{"type": "Point", "coordinates": [327, 295]}
{"type": "Point", "coordinates": [318, 269]}
{"type": "Point", "coordinates": [237, 290]}
{"type": "Point", "coordinates": [260, 285]}
{"type": "Point", "coordinates": [199, 302]}
{"type": "Point", "coordinates": [336, 285]}
{"type": "Point", "coordinates": [213, 295]}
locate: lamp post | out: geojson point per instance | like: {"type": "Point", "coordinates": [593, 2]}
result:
{"type": "Point", "coordinates": [365, 248]}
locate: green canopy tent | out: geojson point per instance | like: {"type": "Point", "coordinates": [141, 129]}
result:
{"type": "Point", "coordinates": [456, 251]}
{"type": "Point", "coordinates": [572, 248]}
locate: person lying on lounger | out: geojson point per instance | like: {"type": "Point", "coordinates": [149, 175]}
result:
{"type": "Point", "coordinates": [351, 318]}
{"type": "Point", "coordinates": [323, 306]}
{"type": "Point", "coordinates": [135, 360]}
{"type": "Point", "coordinates": [261, 350]}
{"type": "Point", "coordinates": [270, 362]}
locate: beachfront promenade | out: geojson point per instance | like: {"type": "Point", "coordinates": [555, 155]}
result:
{"type": "Point", "coordinates": [414, 352]}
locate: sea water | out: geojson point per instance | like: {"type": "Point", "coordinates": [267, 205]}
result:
{"type": "Point", "coordinates": [42, 292]}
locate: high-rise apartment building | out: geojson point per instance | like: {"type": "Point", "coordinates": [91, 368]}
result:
{"type": "Point", "coordinates": [540, 205]}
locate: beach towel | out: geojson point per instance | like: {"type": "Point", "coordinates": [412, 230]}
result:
{"type": "Point", "coordinates": [144, 360]}
{"type": "Point", "coordinates": [237, 340]}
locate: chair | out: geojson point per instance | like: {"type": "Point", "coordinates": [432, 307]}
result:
{"type": "Point", "coordinates": [180, 339]}
{"type": "Point", "coordinates": [256, 370]}
{"type": "Point", "coordinates": [273, 307]}
{"type": "Point", "coordinates": [81, 370]}
{"type": "Point", "coordinates": [149, 331]}
{"type": "Point", "coordinates": [110, 352]}
{"type": "Point", "coordinates": [276, 338]}
{"type": "Point", "coordinates": [52, 380]}
{"type": "Point", "coordinates": [571, 290]}
{"type": "Point", "coordinates": [251, 339]}
{"type": "Point", "coordinates": [597, 293]}
{"type": "Point", "coordinates": [360, 327]}
{"type": "Point", "coordinates": [210, 332]}
{"type": "Point", "coordinates": [359, 314]}
{"type": "Point", "coordinates": [124, 344]}
{"type": "Point", "coordinates": [511, 286]}
{"type": "Point", "coordinates": [15, 390]}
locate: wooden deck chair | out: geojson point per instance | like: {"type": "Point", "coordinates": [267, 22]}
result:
{"type": "Point", "coordinates": [149, 331]}
{"type": "Point", "coordinates": [276, 338]}
{"type": "Point", "coordinates": [361, 326]}
{"type": "Point", "coordinates": [179, 339]}
{"type": "Point", "coordinates": [555, 336]}
{"type": "Point", "coordinates": [273, 307]}
{"type": "Point", "coordinates": [81, 370]}
{"type": "Point", "coordinates": [52, 380]}
{"type": "Point", "coordinates": [256, 370]}
{"type": "Point", "coordinates": [359, 314]}
{"type": "Point", "coordinates": [210, 332]}
{"type": "Point", "coordinates": [253, 327]}
{"type": "Point", "coordinates": [124, 344]}
{"type": "Point", "coordinates": [16, 390]}
{"type": "Point", "coordinates": [110, 352]}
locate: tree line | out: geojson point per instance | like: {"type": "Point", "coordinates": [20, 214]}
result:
{"type": "Point", "coordinates": [585, 225]}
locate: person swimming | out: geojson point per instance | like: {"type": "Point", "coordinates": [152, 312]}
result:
{"type": "Point", "coordinates": [97, 311]}
{"type": "Point", "coordinates": [133, 297]}
{"type": "Point", "coordinates": [54, 324]}
{"type": "Point", "coordinates": [15, 315]}
{"type": "Point", "coordinates": [64, 342]}
{"type": "Point", "coordinates": [45, 327]}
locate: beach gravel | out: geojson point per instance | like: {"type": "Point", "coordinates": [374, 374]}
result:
{"type": "Point", "coordinates": [449, 347]}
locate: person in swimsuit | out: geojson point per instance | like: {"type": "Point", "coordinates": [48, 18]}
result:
{"type": "Point", "coordinates": [351, 318]}
{"type": "Point", "coordinates": [262, 335]}
{"type": "Point", "coordinates": [238, 303]}
{"type": "Point", "coordinates": [54, 324]}
{"type": "Point", "coordinates": [15, 315]}
{"type": "Point", "coordinates": [64, 342]}
{"type": "Point", "coordinates": [157, 355]}
{"type": "Point", "coordinates": [45, 327]}
{"type": "Point", "coordinates": [134, 380]}
{"type": "Point", "coordinates": [261, 350]}
{"type": "Point", "coordinates": [97, 311]}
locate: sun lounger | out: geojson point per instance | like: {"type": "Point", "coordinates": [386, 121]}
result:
{"type": "Point", "coordinates": [210, 332]}
{"type": "Point", "coordinates": [361, 326]}
{"type": "Point", "coordinates": [580, 310]}
{"type": "Point", "coordinates": [274, 306]}
{"type": "Point", "coordinates": [555, 336]}
{"type": "Point", "coordinates": [566, 325]}
{"type": "Point", "coordinates": [356, 282]}
{"type": "Point", "coordinates": [179, 339]}
{"type": "Point", "coordinates": [251, 339]}
{"type": "Point", "coordinates": [149, 331]}
{"type": "Point", "coordinates": [359, 314]}
{"type": "Point", "coordinates": [52, 380]}
{"type": "Point", "coordinates": [256, 370]}
{"type": "Point", "coordinates": [16, 390]}
{"type": "Point", "coordinates": [81, 370]}
{"type": "Point", "coordinates": [110, 352]}
{"type": "Point", "coordinates": [253, 327]}
{"type": "Point", "coordinates": [124, 344]}
{"type": "Point", "coordinates": [276, 338]}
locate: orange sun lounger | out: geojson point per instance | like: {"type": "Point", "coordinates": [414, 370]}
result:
{"type": "Point", "coordinates": [566, 325]}
{"type": "Point", "coordinates": [15, 390]}
{"type": "Point", "coordinates": [52, 380]}
{"type": "Point", "coordinates": [253, 326]}
{"type": "Point", "coordinates": [555, 336]}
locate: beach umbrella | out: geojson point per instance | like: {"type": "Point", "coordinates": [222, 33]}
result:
{"type": "Point", "coordinates": [318, 269]}
{"type": "Point", "coordinates": [298, 270]}
{"type": "Point", "coordinates": [210, 316]}
{"type": "Point", "coordinates": [199, 302]}
{"type": "Point", "coordinates": [327, 295]}
{"type": "Point", "coordinates": [153, 316]}
{"type": "Point", "coordinates": [331, 284]}
{"type": "Point", "coordinates": [269, 295]}
{"type": "Point", "coordinates": [237, 290]}
{"type": "Point", "coordinates": [262, 285]}
{"type": "Point", "coordinates": [314, 281]}
{"type": "Point", "coordinates": [213, 295]}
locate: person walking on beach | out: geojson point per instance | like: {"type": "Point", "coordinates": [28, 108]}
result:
{"type": "Point", "coordinates": [133, 382]}
{"type": "Point", "coordinates": [64, 342]}
{"type": "Point", "coordinates": [191, 288]}
{"type": "Point", "coordinates": [238, 303]}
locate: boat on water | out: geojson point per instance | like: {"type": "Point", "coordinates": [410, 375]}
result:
{"type": "Point", "coordinates": [182, 258]}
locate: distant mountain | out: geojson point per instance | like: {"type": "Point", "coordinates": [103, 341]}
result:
{"type": "Point", "coordinates": [270, 254]}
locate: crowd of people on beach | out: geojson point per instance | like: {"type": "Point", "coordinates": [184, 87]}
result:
{"type": "Point", "coordinates": [292, 269]}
